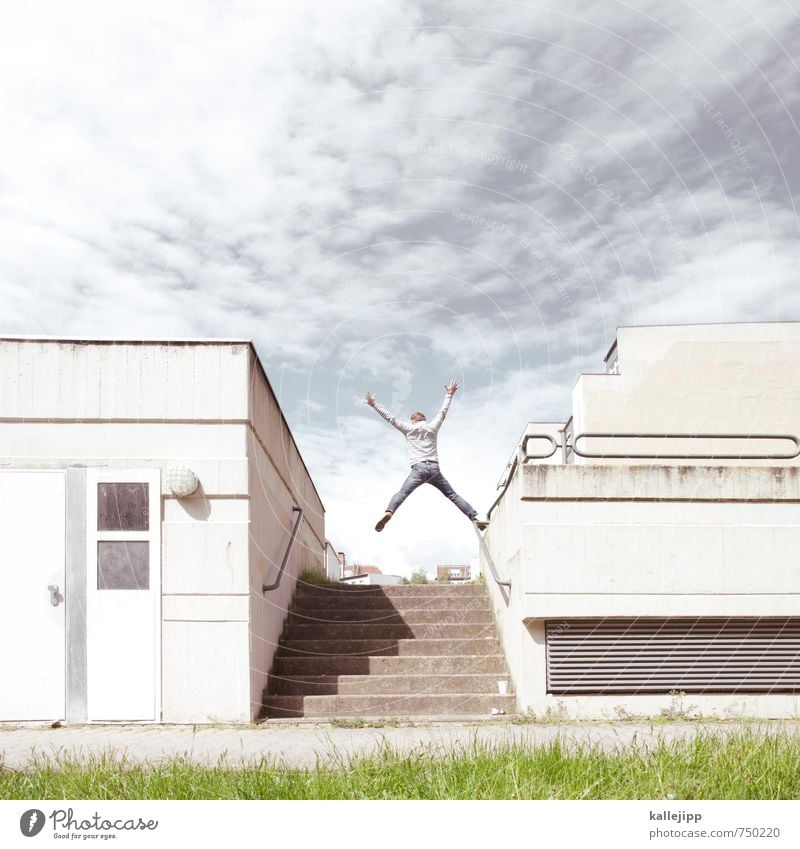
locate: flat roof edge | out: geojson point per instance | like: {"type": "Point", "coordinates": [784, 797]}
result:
{"type": "Point", "coordinates": [183, 341]}
{"type": "Point", "coordinates": [710, 324]}
{"type": "Point", "coordinates": [106, 340]}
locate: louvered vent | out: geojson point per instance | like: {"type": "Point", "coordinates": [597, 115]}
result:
{"type": "Point", "coordinates": [708, 655]}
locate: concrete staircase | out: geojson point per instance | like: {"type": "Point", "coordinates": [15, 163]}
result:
{"type": "Point", "coordinates": [399, 651]}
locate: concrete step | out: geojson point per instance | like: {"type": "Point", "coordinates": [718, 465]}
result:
{"type": "Point", "coordinates": [424, 647]}
{"type": "Point", "coordinates": [317, 615]}
{"type": "Point", "coordinates": [297, 665]}
{"type": "Point", "coordinates": [387, 705]}
{"type": "Point", "coordinates": [370, 685]}
{"type": "Point", "coordinates": [380, 631]}
{"type": "Point", "coordinates": [399, 604]}
{"type": "Point", "coordinates": [395, 591]}
{"type": "Point", "coordinates": [410, 650]}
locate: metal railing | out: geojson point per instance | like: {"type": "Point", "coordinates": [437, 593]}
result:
{"type": "Point", "coordinates": [566, 434]}
{"type": "Point", "coordinates": [490, 560]}
{"type": "Point", "coordinates": [521, 458]}
{"type": "Point", "coordinates": [529, 436]}
{"type": "Point", "coordinates": [569, 443]}
{"type": "Point", "coordinates": [631, 456]}
{"type": "Point", "coordinates": [274, 586]}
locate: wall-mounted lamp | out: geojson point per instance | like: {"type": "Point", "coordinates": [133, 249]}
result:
{"type": "Point", "coordinates": [181, 481]}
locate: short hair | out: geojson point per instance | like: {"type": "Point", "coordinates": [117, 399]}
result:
{"type": "Point", "coordinates": [419, 413]}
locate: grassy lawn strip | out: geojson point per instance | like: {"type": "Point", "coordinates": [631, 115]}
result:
{"type": "Point", "coordinates": [742, 765]}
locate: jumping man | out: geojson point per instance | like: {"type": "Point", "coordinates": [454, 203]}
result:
{"type": "Point", "coordinates": [421, 439]}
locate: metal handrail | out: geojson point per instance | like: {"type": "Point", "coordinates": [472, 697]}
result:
{"type": "Point", "coordinates": [566, 446]}
{"type": "Point", "coordinates": [525, 456]}
{"type": "Point", "coordinates": [266, 588]}
{"type": "Point", "coordinates": [524, 446]}
{"type": "Point", "coordinates": [517, 460]}
{"type": "Point", "coordinates": [490, 561]}
{"type": "Point", "coordinates": [629, 456]}
{"type": "Point", "coordinates": [572, 446]}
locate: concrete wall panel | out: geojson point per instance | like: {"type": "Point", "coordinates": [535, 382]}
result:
{"type": "Point", "coordinates": [100, 380]}
{"type": "Point", "coordinates": [279, 480]}
{"type": "Point", "coordinates": [727, 378]}
{"type": "Point", "coordinates": [207, 558]}
{"type": "Point", "coordinates": [205, 672]}
{"type": "Point", "coordinates": [580, 541]}
{"type": "Point", "coordinates": [270, 529]}
{"type": "Point", "coordinates": [206, 608]}
{"type": "Point", "coordinates": [94, 440]}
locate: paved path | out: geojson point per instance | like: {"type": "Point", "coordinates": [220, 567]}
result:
{"type": "Point", "coordinates": [303, 744]}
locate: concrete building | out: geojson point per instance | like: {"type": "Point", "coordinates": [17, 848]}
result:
{"type": "Point", "coordinates": [658, 561]}
{"type": "Point", "coordinates": [370, 574]}
{"type": "Point", "coordinates": [453, 574]}
{"type": "Point", "coordinates": [149, 494]}
{"type": "Point", "coordinates": [334, 562]}
{"type": "Point", "coordinates": [375, 579]}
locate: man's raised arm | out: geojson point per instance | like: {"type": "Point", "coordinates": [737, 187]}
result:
{"type": "Point", "coordinates": [402, 426]}
{"type": "Point", "coordinates": [439, 417]}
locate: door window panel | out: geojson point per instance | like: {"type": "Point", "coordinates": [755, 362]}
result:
{"type": "Point", "coordinates": [123, 507]}
{"type": "Point", "coordinates": [123, 565]}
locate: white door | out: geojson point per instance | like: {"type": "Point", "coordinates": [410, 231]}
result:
{"type": "Point", "coordinates": [123, 594]}
{"type": "Point", "coordinates": [32, 624]}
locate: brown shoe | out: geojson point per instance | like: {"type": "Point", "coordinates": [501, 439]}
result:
{"type": "Point", "coordinates": [382, 521]}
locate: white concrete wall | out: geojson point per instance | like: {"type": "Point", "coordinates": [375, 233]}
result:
{"type": "Point", "coordinates": [713, 378]}
{"type": "Point", "coordinates": [375, 580]}
{"type": "Point", "coordinates": [581, 541]}
{"type": "Point", "coordinates": [152, 404]}
{"type": "Point", "coordinates": [538, 447]}
{"type": "Point", "coordinates": [504, 540]}
{"type": "Point", "coordinates": [62, 380]}
{"type": "Point", "coordinates": [205, 406]}
{"type": "Point", "coordinates": [205, 609]}
{"type": "Point", "coordinates": [659, 537]}
{"type": "Point", "coordinates": [333, 568]}
{"type": "Point", "coordinates": [214, 451]}
{"type": "Point", "coordinates": [278, 481]}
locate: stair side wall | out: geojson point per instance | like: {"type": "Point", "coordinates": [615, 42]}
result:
{"type": "Point", "coordinates": [277, 480]}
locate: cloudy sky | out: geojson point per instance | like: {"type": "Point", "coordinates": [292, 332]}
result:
{"type": "Point", "coordinates": [385, 195]}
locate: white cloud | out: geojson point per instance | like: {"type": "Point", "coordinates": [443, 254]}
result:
{"type": "Point", "coordinates": [294, 172]}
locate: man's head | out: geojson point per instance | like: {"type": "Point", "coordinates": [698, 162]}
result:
{"type": "Point", "coordinates": [418, 417]}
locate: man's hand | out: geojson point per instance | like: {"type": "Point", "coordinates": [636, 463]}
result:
{"type": "Point", "coordinates": [369, 398]}
{"type": "Point", "coordinates": [453, 387]}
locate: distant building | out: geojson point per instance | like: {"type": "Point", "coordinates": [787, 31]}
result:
{"type": "Point", "coordinates": [346, 570]}
{"type": "Point", "coordinates": [453, 574]}
{"type": "Point", "coordinates": [333, 562]}
{"type": "Point", "coordinates": [370, 574]}
{"type": "Point", "coordinates": [373, 578]}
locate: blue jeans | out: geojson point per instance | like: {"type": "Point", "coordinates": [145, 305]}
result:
{"type": "Point", "coordinates": [427, 471]}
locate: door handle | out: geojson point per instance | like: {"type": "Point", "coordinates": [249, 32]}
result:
{"type": "Point", "coordinates": [55, 597]}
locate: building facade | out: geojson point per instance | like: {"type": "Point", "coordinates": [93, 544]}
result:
{"type": "Point", "coordinates": [658, 562]}
{"type": "Point", "coordinates": [453, 574]}
{"type": "Point", "coordinates": [149, 491]}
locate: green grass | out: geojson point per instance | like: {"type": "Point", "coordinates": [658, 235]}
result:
{"type": "Point", "coordinates": [311, 576]}
{"type": "Point", "coordinates": [742, 765]}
